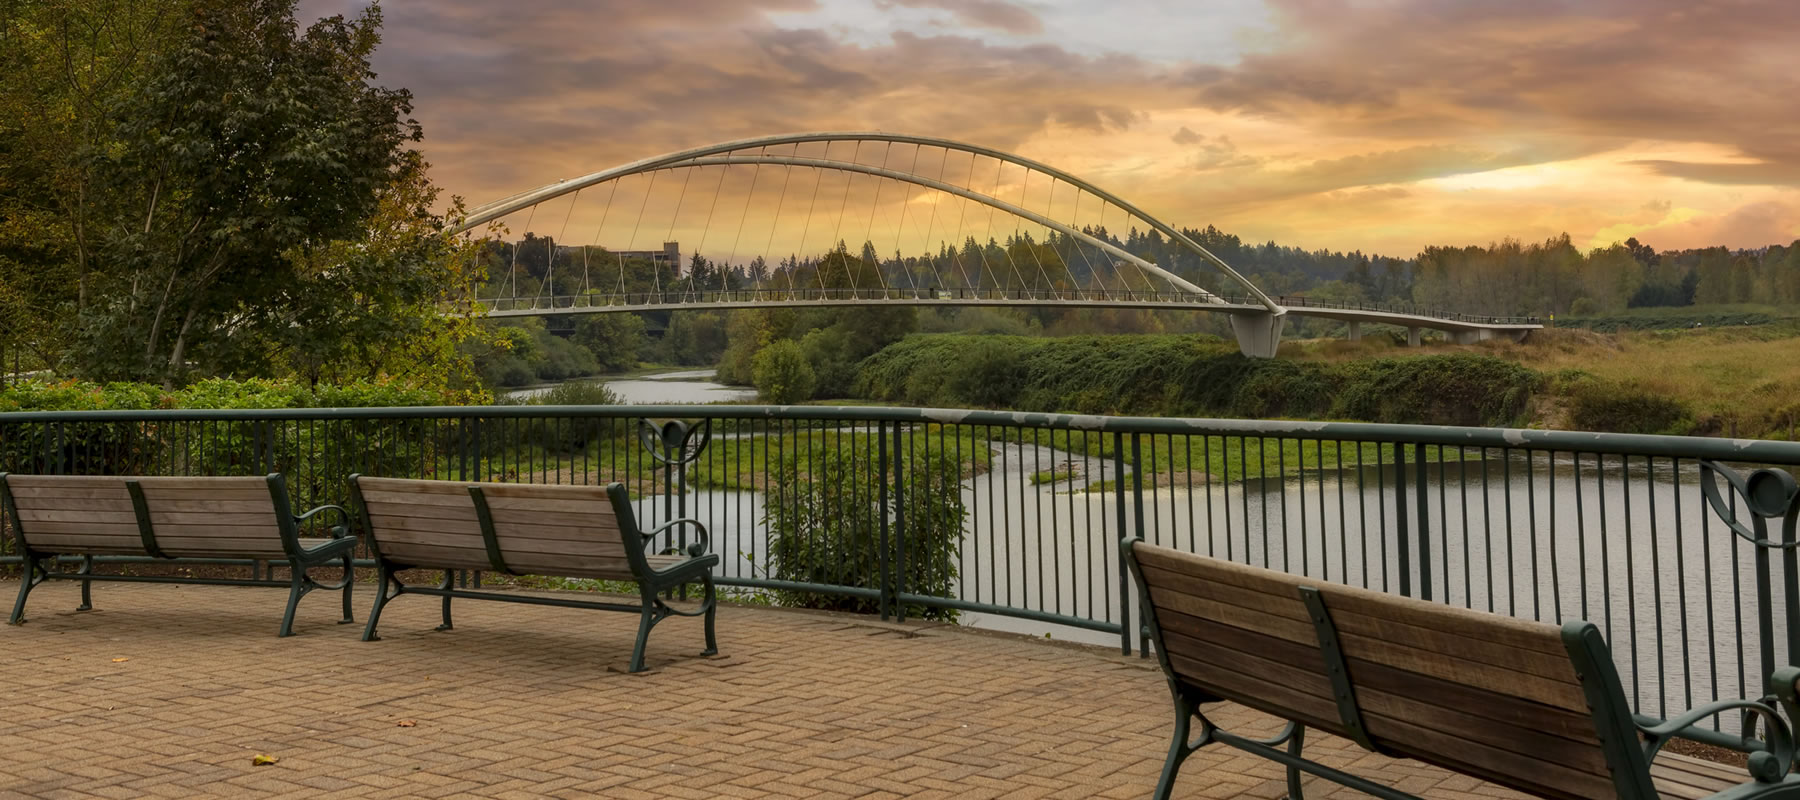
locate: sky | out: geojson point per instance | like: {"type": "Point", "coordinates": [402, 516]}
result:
{"type": "Point", "coordinates": [1378, 125]}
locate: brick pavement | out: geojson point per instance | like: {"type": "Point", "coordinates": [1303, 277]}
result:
{"type": "Point", "coordinates": [523, 701]}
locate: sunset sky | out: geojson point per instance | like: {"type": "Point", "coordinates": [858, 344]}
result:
{"type": "Point", "coordinates": [1383, 126]}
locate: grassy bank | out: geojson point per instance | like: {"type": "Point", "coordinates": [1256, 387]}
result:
{"type": "Point", "coordinates": [1176, 375]}
{"type": "Point", "coordinates": [1734, 380]}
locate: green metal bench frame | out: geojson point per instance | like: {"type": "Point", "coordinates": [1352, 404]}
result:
{"type": "Point", "coordinates": [39, 566]}
{"type": "Point", "coordinates": [1631, 742]}
{"type": "Point", "coordinates": [652, 583]}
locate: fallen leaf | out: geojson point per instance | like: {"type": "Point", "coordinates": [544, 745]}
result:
{"type": "Point", "coordinates": [120, 660]}
{"type": "Point", "coordinates": [407, 723]}
{"type": "Point", "coordinates": [260, 760]}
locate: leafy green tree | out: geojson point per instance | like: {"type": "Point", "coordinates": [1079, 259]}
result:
{"type": "Point", "coordinates": [616, 340]}
{"type": "Point", "coordinates": [257, 181]}
{"type": "Point", "coordinates": [782, 374]}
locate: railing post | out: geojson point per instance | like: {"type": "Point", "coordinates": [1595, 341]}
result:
{"type": "Point", "coordinates": [1423, 496]}
{"type": "Point", "coordinates": [883, 602]}
{"type": "Point", "coordinates": [1403, 541]}
{"type": "Point", "coordinates": [1124, 577]}
{"type": "Point", "coordinates": [899, 584]}
{"type": "Point", "coordinates": [1137, 511]}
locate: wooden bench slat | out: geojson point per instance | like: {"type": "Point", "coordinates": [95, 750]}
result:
{"type": "Point", "coordinates": [1309, 683]}
{"type": "Point", "coordinates": [516, 532]}
{"type": "Point", "coordinates": [111, 502]}
{"type": "Point", "coordinates": [571, 505]}
{"type": "Point", "coordinates": [155, 495]}
{"type": "Point", "coordinates": [29, 515]}
{"type": "Point", "coordinates": [376, 497]}
{"type": "Point", "coordinates": [37, 482]}
{"type": "Point", "coordinates": [1685, 777]}
{"type": "Point", "coordinates": [539, 491]}
{"type": "Point", "coordinates": [449, 535]}
{"type": "Point", "coordinates": [604, 521]}
{"type": "Point", "coordinates": [179, 546]}
{"type": "Point", "coordinates": [160, 504]}
{"type": "Point", "coordinates": [79, 545]}
{"type": "Point", "coordinates": [1251, 619]}
{"type": "Point", "coordinates": [181, 519]}
{"type": "Point", "coordinates": [1269, 698]}
{"type": "Point", "coordinates": [79, 528]}
{"type": "Point", "coordinates": [256, 483]}
{"type": "Point", "coordinates": [1366, 603]}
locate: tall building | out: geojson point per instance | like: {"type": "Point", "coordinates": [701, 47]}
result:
{"type": "Point", "coordinates": [668, 256]}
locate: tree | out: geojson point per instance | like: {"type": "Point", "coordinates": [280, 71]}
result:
{"type": "Point", "coordinates": [64, 61]}
{"type": "Point", "coordinates": [782, 374]}
{"type": "Point", "coordinates": [615, 339]}
{"type": "Point", "coordinates": [235, 186]}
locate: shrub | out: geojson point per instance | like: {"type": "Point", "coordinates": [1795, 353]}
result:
{"type": "Point", "coordinates": [824, 518]}
{"type": "Point", "coordinates": [1596, 405]}
{"type": "Point", "coordinates": [990, 373]}
{"type": "Point", "coordinates": [781, 373]}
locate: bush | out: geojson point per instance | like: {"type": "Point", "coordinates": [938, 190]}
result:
{"type": "Point", "coordinates": [781, 373]}
{"type": "Point", "coordinates": [1596, 405]}
{"type": "Point", "coordinates": [824, 519]}
{"type": "Point", "coordinates": [988, 374]}
{"type": "Point", "coordinates": [297, 449]}
{"type": "Point", "coordinates": [1460, 389]}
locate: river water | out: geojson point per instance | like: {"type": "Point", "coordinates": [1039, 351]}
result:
{"type": "Point", "coordinates": [672, 388]}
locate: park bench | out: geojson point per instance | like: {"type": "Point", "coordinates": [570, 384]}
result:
{"type": "Point", "coordinates": [1532, 706]}
{"type": "Point", "coordinates": [168, 518]}
{"type": "Point", "coordinates": [513, 529]}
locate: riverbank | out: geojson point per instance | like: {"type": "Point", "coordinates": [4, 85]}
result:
{"type": "Point", "coordinates": [1738, 381]}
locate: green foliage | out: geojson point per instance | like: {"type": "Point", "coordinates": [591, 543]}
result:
{"type": "Point", "coordinates": [243, 447]}
{"type": "Point", "coordinates": [782, 374]}
{"type": "Point", "coordinates": [824, 516]}
{"type": "Point", "coordinates": [989, 374]}
{"type": "Point", "coordinates": [615, 340]}
{"type": "Point", "coordinates": [1460, 389]}
{"type": "Point", "coordinates": [1191, 376]}
{"type": "Point", "coordinates": [1623, 407]}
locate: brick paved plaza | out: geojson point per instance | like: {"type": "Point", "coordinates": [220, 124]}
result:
{"type": "Point", "coordinates": [170, 690]}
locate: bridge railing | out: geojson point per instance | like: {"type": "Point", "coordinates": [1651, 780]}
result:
{"type": "Point", "coordinates": [962, 294]}
{"type": "Point", "coordinates": [1012, 520]}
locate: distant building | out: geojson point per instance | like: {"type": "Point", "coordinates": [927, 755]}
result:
{"type": "Point", "coordinates": [669, 255]}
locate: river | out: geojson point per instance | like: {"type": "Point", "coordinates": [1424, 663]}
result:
{"type": "Point", "coordinates": [693, 386]}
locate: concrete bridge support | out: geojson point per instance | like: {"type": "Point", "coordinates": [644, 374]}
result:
{"type": "Point", "coordinates": [1258, 335]}
{"type": "Point", "coordinates": [1412, 337]}
{"type": "Point", "coordinates": [1355, 334]}
{"type": "Point", "coordinates": [1471, 337]}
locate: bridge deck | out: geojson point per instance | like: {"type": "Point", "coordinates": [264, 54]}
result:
{"type": "Point", "coordinates": [169, 692]}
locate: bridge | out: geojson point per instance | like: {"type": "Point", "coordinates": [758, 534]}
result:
{"type": "Point", "coordinates": [1058, 249]}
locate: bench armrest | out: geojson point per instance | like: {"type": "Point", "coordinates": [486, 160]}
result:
{"type": "Point", "coordinates": [1771, 758]}
{"type": "Point", "coordinates": [694, 549]}
{"type": "Point", "coordinates": [338, 531]}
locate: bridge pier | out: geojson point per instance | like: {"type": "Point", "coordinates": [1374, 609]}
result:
{"type": "Point", "coordinates": [1258, 335]}
{"type": "Point", "coordinates": [1412, 337]}
{"type": "Point", "coordinates": [1355, 334]}
{"type": "Point", "coordinates": [1471, 337]}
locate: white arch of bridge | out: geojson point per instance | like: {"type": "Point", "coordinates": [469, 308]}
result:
{"type": "Point", "coordinates": [699, 156]}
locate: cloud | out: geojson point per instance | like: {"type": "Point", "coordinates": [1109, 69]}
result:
{"type": "Point", "coordinates": [1691, 101]}
{"type": "Point", "coordinates": [996, 14]}
{"type": "Point", "coordinates": [1607, 71]}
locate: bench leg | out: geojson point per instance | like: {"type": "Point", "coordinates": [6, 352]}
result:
{"type": "Point", "coordinates": [712, 608]}
{"type": "Point", "coordinates": [28, 578]}
{"type": "Point", "coordinates": [1293, 773]}
{"type": "Point", "coordinates": [383, 583]}
{"type": "Point", "coordinates": [1179, 748]}
{"type": "Point", "coordinates": [645, 622]}
{"type": "Point", "coordinates": [87, 586]}
{"type": "Point", "coordinates": [448, 577]}
{"type": "Point", "coordinates": [349, 584]}
{"type": "Point", "coordinates": [297, 589]}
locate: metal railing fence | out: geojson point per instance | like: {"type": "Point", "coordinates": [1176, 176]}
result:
{"type": "Point", "coordinates": [1012, 520]}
